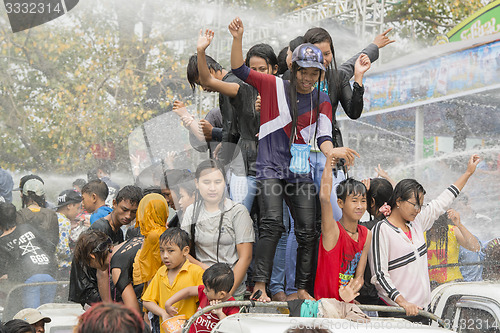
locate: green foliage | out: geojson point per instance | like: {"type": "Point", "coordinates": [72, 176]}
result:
{"type": "Point", "coordinates": [71, 84]}
{"type": "Point", "coordinates": [424, 20]}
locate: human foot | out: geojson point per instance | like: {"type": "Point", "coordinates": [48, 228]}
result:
{"type": "Point", "coordinates": [263, 297]}
{"type": "Point", "coordinates": [279, 297]}
{"type": "Point", "coordinates": [303, 294]}
{"type": "Point", "coordinates": [291, 297]}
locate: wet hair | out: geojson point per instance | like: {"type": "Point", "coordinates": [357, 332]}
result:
{"type": "Point", "coordinates": [110, 317]}
{"type": "Point", "coordinates": [319, 35]}
{"type": "Point", "coordinates": [79, 182]}
{"type": "Point", "coordinates": [264, 51]}
{"type": "Point", "coordinates": [439, 234]}
{"type": "Point", "coordinates": [192, 68]}
{"type": "Point", "coordinates": [92, 242]}
{"type": "Point", "coordinates": [282, 66]}
{"type": "Point", "coordinates": [92, 175]}
{"type": "Point", "coordinates": [175, 236]}
{"type": "Point", "coordinates": [104, 167]}
{"type": "Point", "coordinates": [187, 183]}
{"type": "Point", "coordinates": [219, 277]}
{"type": "Point", "coordinates": [295, 42]}
{"type": "Point", "coordinates": [131, 193]}
{"type": "Point", "coordinates": [198, 202]}
{"type": "Point", "coordinates": [380, 191]}
{"type": "Point", "coordinates": [404, 190]}
{"type": "Point", "coordinates": [18, 326]}
{"type": "Point", "coordinates": [172, 177]}
{"type": "Point", "coordinates": [31, 196]}
{"type": "Point", "coordinates": [7, 216]}
{"type": "Point", "coordinates": [350, 186]}
{"type": "Point", "coordinates": [97, 187]}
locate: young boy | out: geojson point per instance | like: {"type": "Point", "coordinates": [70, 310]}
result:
{"type": "Point", "coordinates": [218, 280]}
{"type": "Point", "coordinates": [94, 195]}
{"type": "Point", "coordinates": [344, 244]}
{"type": "Point", "coordinates": [176, 274]}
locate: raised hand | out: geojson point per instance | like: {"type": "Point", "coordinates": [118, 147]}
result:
{"type": "Point", "coordinates": [382, 39]}
{"type": "Point", "coordinates": [473, 162]}
{"type": "Point", "coordinates": [204, 39]}
{"type": "Point", "coordinates": [362, 64]}
{"type": "Point", "coordinates": [236, 28]}
{"type": "Point", "coordinates": [454, 216]}
{"type": "Point", "coordinates": [179, 109]}
{"type": "Point", "coordinates": [205, 129]}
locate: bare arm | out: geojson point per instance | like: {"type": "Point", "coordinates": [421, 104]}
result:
{"type": "Point", "coordinates": [471, 167]}
{"type": "Point", "coordinates": [329, 228]}
{"type": "Point", "coordinates": [128, 294]}
{"type": "Point", "coordinates": [156, 309]}
{"type": "Point", "coordinates": [206, 79]}
{"type": "Point", "coordinates": [178, 296]}
{"type": "Point", "coordinates": [240, 269]}
{"type": "Point", "coordinates": [103, 285]}
{"type": "Point", "coordinates": [464, 237]}
{"type": "Point", "coordinates": [236, 30]}
{"type": "Point", "coordinates": [196, 262]}
{"type": "Point", "coordinates": [382, 173]}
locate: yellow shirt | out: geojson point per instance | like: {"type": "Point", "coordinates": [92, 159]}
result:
{"type": "Point", "coordinates": [160, 290]}
{"type": "Point", "coordinates": [446, 274]}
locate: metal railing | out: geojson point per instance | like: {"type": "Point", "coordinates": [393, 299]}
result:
{"type": "Point", "coordinates": [381, 308]}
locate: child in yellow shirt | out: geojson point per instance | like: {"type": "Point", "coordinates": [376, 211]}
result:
{"type": "Point", "coordinates": [176, 274]}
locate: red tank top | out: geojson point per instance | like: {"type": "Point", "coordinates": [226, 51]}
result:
{"type": "Point", "coordinates": [338, 266]}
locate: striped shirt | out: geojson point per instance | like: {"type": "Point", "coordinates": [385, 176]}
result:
{"type": "Point", "coordinates": [274, 156]}
{"type": "Point", "coordinates": [399, 265]}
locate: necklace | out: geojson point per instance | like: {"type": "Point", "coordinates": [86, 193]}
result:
{"type": "Point", "coordinates": [352, 233]}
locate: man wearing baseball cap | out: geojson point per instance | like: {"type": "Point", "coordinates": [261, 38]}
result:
{"type": "Point", "coordinates": [68, 208]}
{"type": "Point", "coordinates": [34, 318]}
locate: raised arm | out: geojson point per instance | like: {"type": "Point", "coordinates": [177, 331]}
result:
{"type": "Point", "coordinates": [207, 81]}
{"type": "Point", "coordinates": [329, 228]}
{"type": "Point", "coordinates": [464, 237]}
{"type": "Point", "coordinates": [236, 30]}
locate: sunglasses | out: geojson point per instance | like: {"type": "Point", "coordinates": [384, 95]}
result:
{"type": "Point", "coordinates": [104, 246]}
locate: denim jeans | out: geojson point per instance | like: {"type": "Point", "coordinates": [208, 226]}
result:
{"type": "Point", "coordinates": [291, 260]}
{"type": "Point", "coordinates": [318, 161]}
{"type": "Point", "coordinates": [277, 283]}
{"type": "Point", "coordinates": [243, 189]}
{"type": "Point", "coordinates": [35, 296]}
{"type": "Point", "coordinates": [301, 199]}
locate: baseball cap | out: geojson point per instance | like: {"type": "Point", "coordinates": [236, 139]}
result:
{"type": "Point", "coordinates": [33, 185]}
{"type": "Point", "coordinates": [24, 179]}
{"type": "Point", "coordinates": [308, 55]}
{"type": "Point", "coordinates": [67, 197]}
{"type": "Point", "coordinates": [31, 316]}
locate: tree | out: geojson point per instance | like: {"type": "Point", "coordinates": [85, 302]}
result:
{"type": "Point", "coordinates": [424, 20]}
{"type": "Point", "coordinates": [82, 81]}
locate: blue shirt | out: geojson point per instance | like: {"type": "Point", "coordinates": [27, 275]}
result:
{"type": "Point", "coordinates": [100, 212]}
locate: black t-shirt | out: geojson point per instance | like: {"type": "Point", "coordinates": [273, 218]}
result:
{"type": "Point", "coordinates": [103, 225]}
{"type": "Point", "coordinates": [124, 260]}
{"type": "Point", "coordinates": [24, 253]}
{"type": "Point", "coordinates": [46, 223]}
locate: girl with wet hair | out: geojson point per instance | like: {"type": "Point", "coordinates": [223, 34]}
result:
{"type": "Point", "coordinates": [443, 244]}
{"type": "Point", "coordinates": [110, 317]}
{"type": "Point", "coordinates": [292, 113]}
{"type": "Point", "coordinates": [95, 249]}
{"type": "Point", "coordinates": [221, 230]}
{"type": "Point", "coordinates": [398, 254]}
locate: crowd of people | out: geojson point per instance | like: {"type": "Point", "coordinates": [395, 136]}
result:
{"type": "Point", "coordinates": [271, 215]}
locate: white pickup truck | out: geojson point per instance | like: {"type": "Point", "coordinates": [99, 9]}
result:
{"type": "Point", "coordinates": [468, 306]}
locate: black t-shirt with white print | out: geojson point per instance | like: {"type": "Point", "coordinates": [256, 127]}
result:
{"type": "Point", "coordinates": [25, 253]}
